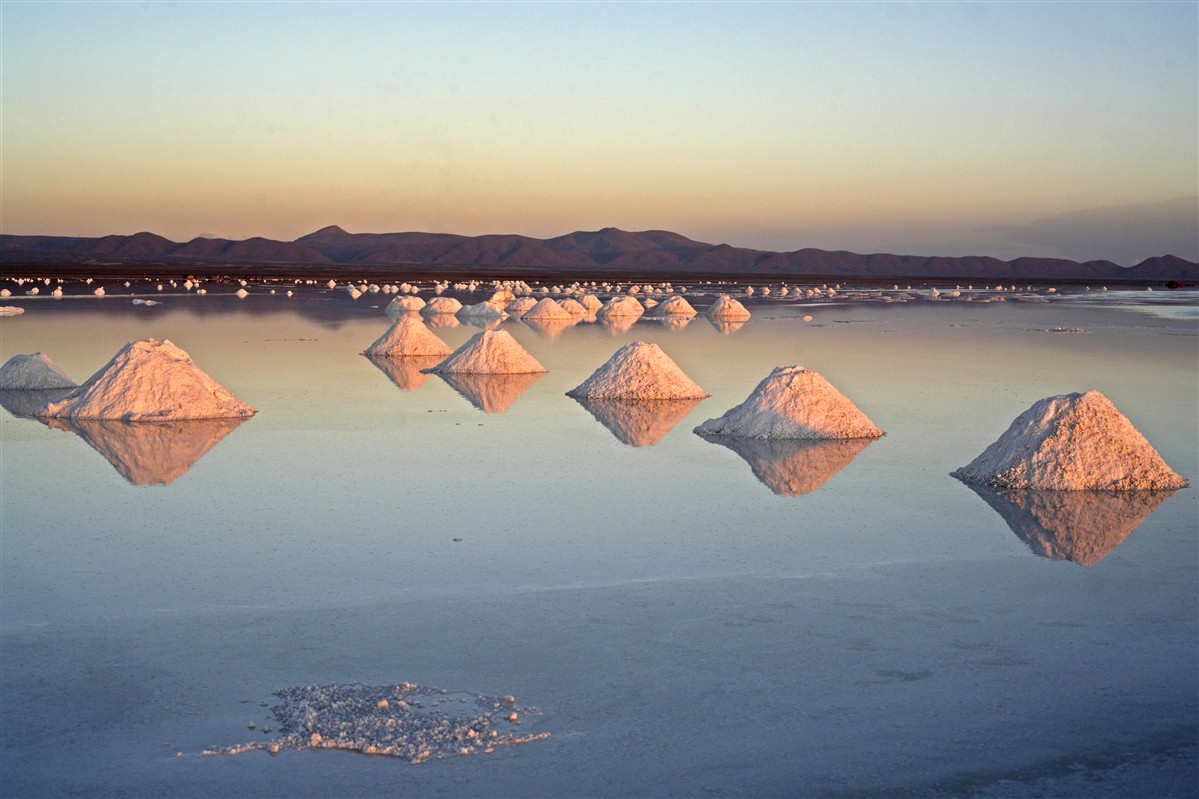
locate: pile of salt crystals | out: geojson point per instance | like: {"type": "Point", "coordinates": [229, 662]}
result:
{"type": "Point", "coordinates": [148, 380]}
{"type": "Point", "coordinates": [675, 306]}
{"type": "Point", "coordinates": [793, 402]}
{"type": "Point", "coordinates": [405, 304]}
{"type": "Point", "coordinates": [639, 371]}
{"type": "Point", "coordinates": [621, 306]}
{"type": "Point", "coordinates": [591, 302]}
{"type": "Point", "coordinates": [1072, 442]}
{"type": "Point", "coordinates": [34, 372]}
{"type": "Point", "coordinates": [548, 309]}
{"type": "Point", "coordinates": [408, 338]}
{"type": "Point", "coordinates": [490, 352]}
{"type": "Point", "coordinates": [482, 310]}
{"type": "Point", "coordinates": [574, 307]}
{"type": "Point", "coordinates": [441, 305]}
{"type": "Point", "coordinates": [517, 308]}
{"type": "Point", "coordinates": [726, 308]}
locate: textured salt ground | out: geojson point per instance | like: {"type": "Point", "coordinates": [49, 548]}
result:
{"type": "Point", "coordinates": [405, 721]}
{"type": "Point", "coordinates": [34, 372]}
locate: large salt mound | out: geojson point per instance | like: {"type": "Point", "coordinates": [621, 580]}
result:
{"type": "Point", "coordinates": [548, 309]}
{"type": "Point", "coordinates": [441, 305]}
{"type": "Point", "coordinates": [408, 338]}
{"type": "Point", "coordinates": [34, 372]}
{"type": "Point", "coordinates": [727, 308]}
{"type": "Point", "coordinates": [675, 306]}
{"type": "Point", "coordinates": [1072, 442]}
{"type": "Point", "coordinates": [639, 370]}
{"type": "Point", "coordinates": [405, 304]}
{"type": "Point", "coordinates": [621, 306]}
{"type": "Point", "coordinates": [574, 307]}
{"type": "Point", "coordinates": [793, 402]}
{"type": "Point", "coordinates": [490, 352]}
{"type": "Point", "coordinates": [149, 380]}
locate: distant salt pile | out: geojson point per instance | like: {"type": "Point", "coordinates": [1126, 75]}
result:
{"type": "Point", "coordinates": [441, 305]}
{"type": "Point", "coordinates": [675, 306]}
{"type": "Point", "coordinates": [517, 308]}
{"type": "Point", "coordinates": [481, 311]}
{"type": "Point", "coordinates": [405, 304]}
{"type": "Point", "coordinates": [501, 298]}
{"type": "Point", "coordinates": [793, 402]}
{"type": "Point", "coordinates": [408, 338]}
{"type": "Point", "coordinates": [34, 372]}
{"type": "Point", "coordinates": [621, 306]}
{"type": "Point", "coordinates": [1072, 442]}
{"type": "Point", "coordinates": [149, 380]}
{"type": "Point", "coordinates": [639, 370]}
{"type": "Point", "coordinates": [591, 302]}
{"type": "Point", "coordinates": [490, 352]}
{"type": "Point", "coordinates": [548, 310]}
{"type": "Point", "coordinates": [574, 307]}
{"type": "Point", "coordinates": [727, 309]}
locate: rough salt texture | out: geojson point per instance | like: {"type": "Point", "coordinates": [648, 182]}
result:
{"type": "Point", "coordinates": [548, 309]}
{"type": "Point", "coordinates": [793, 402]}
{"type": "Point", "coordinates": [621, 306]}
{"type": "Point", "coordinates": [675, 306]}
{"type": "Point", "coordinates": [408, 338]}
{"type": "Point", "coordinates": [1072, 442]}
{"type": "Point", "coordinates": [406, 721]}
{"type": "Point", "coordinates": [441, 305]}
{"type": "Point", "coordinates": [728, 309]}
{"type": "Point", "coordinates": [639, 370]}
{"type": "Point", "coordinates": [149, 380]}
{"type": "Point", "coordinates": [638, 423]}
{"type": "Point", "coordinates": [794, 467]}
{"type": "Point", "coordinates": [405, 304]}
{"type": "Point", "coordinates": [34, 372]}
{"type": "Point", "coordinates": [517, 308]}
{"type": "Point", "coordinates": [490, 352]}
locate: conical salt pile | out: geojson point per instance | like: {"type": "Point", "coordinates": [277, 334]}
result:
{"type": "Point", "coordinates": [517, 308]}
{"type": "Point", "coordinates": [621, 306]}
{"type": "Point", "coordinates": [728, 309]}
{"type": "Point", "coordinates": [441, 305]}
{"type": "Point", "coordinates": [1072, 442]}
{"type": "Point", "coordinates": [547, 310]}
{"type": "Point", "coordinates": [405, 304]}
{"type": "Point", "coordinates": [639, 370]}
{"type": "Point", "coordinates": [591, 302]}
{"type": "Point", "coordinates": [149, 380]}
{"type": "Point", "coordinates": [408, 338]}
{"type": "Point", "coordinates": [481, 311]}
{"type": "Point", "coordinates": [34, 372]}
{"type": "Point", "coordinates": [574, 307]}
{"type": "Point", "coordinates": [675, 306]}
{"type": "Point", "coordinates": [492, 352]}
{"type": "Point", "coordinates": [793, 402]}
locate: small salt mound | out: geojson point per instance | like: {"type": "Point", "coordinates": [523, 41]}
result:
{"type": "Point", "coordinates": [483, 310]}
{"type": "Point", "coordinates": [441, 305]}
{"type": "Point", "coordinates": [793, 402]}
{"type": "Point", "coordinates": [549, 328]}
{"type": "Point", "coordinates": [1072, 442]}
{"type": "Point", "coordinates": [591, 302]}
{"type": "Point", "coordinates": [675, 306]}
{"type": "Point", "coordinates": [548, 310]}
{"type": "Point", "coordinates": [621, 306]}
{"type": "Point", "coordinates": [638, 370]}
{"type": "Point", "coordinates": [240, 293]}
{"type": "Point", "coordinates": [501, 298]}
{"type": "Point", "coordinates": [149, 380]}
{"type": "Point", "coordinates": [490, 352]}
{"type": "Point", "coordinates": [574, 307]}
{"type": "Point", "coordinates": [405, 304]}
{"type": "Point", "coordinates": [517, 308]}
{"type": "Point", "coordinates": [407, 338]}
{"type": "Point", "coordinates": [728, 309]}
{"type": "Point", "coordinates": [34, 372]}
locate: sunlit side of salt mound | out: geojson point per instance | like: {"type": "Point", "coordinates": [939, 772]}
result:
{"type": "Point", "coordinates": [638, 423]}
{"type": "Point", "coordinates": [1078, 526]}
{"type": "Point", "coordinates": [406, 338]}
{"type": "Point", "coordinates": [728, 309]}
{"type": "Point", "coordinates": [491, 393]}
{"type": "Point", "coordinates": [639, 370]}
{"type": "Point", "coordinates": [793, 402]}
{"type": "Point", "coordinates": [150, 453]}
{"type": "Point", "coordinates": [675, 306]}
{"type": "Point", "coordinates": [490, 352]}
{"type": "Point", "coordinates": [1072, 442]}
{"type": "Point", "coordinates": [149, 380]}
{"type": "Point", "coordinates": [794, 467]}
{"type": "Point", "coordinates": [35, 372]}
{"type": "Point", "coordinates": [408, 373]}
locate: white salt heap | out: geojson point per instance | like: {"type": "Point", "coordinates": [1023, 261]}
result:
{"type": "Point", "coordinates": [408, 338]}
{"type": "Point", "coordinates": [793, 402]}
{"type": "Point", "coordinates": [547, 310]}
{"type": "Point", "coordinates": [621, 306]}
{"type": "Point", "coordinates": [727, 308]}
{"type": "Point", "coordinates": [675, 306]}
{"type": "Point", "coordinates": [517, 308]}
{"type": "Point", "coordinates": [405, 304]}
{"type": "Point", "coordinates": [639, 370]}
{"type": "Point", "coordinates": [1072, 442]}
{"type": "Point", "coordinates": [490, 352]}
{"type": "Point", "coordinates": [442, 305]}
{"type": "Point", "coordinates": [33, 372]}
{"type": "Point", "coordinates": [482, 310]}
{"type": "Point", "coordinates": [149, 380]}
{"type": "Point", "coordinates": [573, 307]}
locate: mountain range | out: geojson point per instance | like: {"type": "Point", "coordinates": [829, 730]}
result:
{"type": "Point", "coordinates": [651, 252]}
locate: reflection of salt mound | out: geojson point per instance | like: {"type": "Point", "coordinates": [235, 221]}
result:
{"type": "Point", "coordinates": [490, 352]}
{"type": "Point", "coordinates": [149, 380]}
{"type": "Point", "coordinates": [34, 372]}
{"type": "Point", "coordinates": [548, 310]}
{"type": "Point", "coordinates": [675, 306]}
{"type": "Point", "coordinates": [1079, 526]}
{"type": "Point", "coordinates": [406, 721]}
{"type": "Point", "coordinates": [616, 325]}
{"type": "Point", "coordinates": [1072, 442]}
{"type": "Point", "coordinates": [549, 328]}
{"type": "Point", "coordinates": [620, 306]}
{"type": "Point", "coordinates": [24, 404]}
{"type": "Point", "coordinates": [639, 370]}
{"type": "Point", "coordinates": [405, 304]}
{"type": "Point", "coordinates": [406, 372]}
{"type": "Point", "coordinates": [674, 322]}
{"type": "Point", "coordinates": [727, 308]}
{"type": "Point", "coordinates": [727, 327]}
{"type": "Point", "coordinates": [408, 337]}
{"type": "Point", "coordinates": [491, 393]}
{"type": "Point", "coordinates": [793, 402]}
{"type": "Point", "coordinates": [638, 423]}
{"type": "Point", "coordinates": [441, 305]}
{"type": "Point", "coordinates": [150, 453]}
{"type": "Point", "coordinates": [793, 467]}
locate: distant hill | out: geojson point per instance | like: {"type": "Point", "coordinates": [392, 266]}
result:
{"type": "Point", "coordinates": [610, 250]}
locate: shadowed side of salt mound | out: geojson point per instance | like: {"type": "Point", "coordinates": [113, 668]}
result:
{"type": "Point", "coordinates": [639, 371]}
{"type": "Point", "coordinates": [26, 404]}
{"type": "Point", "coordinates": [491, 393]}
{"type": "Point", "coordinates": [1079, 526]}
{"type": "Point", "coordinates": [150, 453]}
{"type": "Point", "coordinates": [408, 337]}
{"type": "Point", "coordinates": [794, 467]}
{"type": "Point", "coordinates": [490, 352]}
{"type": "Point", "coordinates": [35, 372]}
{"type": "Point", "coordinates": [406, 721]}
{"type": "Point", "coordinates": [408, 373]}
{"type": "Point", "coordinates": [149, 380]}
{"type": "Point", "coordinates": [1072, 442]}
{"type": "Point", "coordinates": [793, 402]}
{"type": "Point", "coordinates": [638, 423]}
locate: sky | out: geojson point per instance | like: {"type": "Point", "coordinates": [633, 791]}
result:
{"type": "Point", "coordinates": [1065, 129]}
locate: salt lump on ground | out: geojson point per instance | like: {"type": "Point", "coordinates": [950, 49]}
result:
{"type": "Point", "coordinates": [726, 308]}
{"type": "Point", "coordinates": [406, 721]}
{"type": "Point", "coordinates": [490, 352]}
{"type": "Point", "coordinates": [793, 402]}
{"type": "Point", "coordinates": [33, 372]}
{"type": "Point", "coordinates": [149, 380]}
{"type": "Point", "coordinates": [408, 338]}
{"type": "Point", "coordinates": [639, 370]}
{"type": "Point", "coordinates": [1072, 442]}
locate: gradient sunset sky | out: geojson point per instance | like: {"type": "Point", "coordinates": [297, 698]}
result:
{"type": "Point", "coordinates": [1059, 128]}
